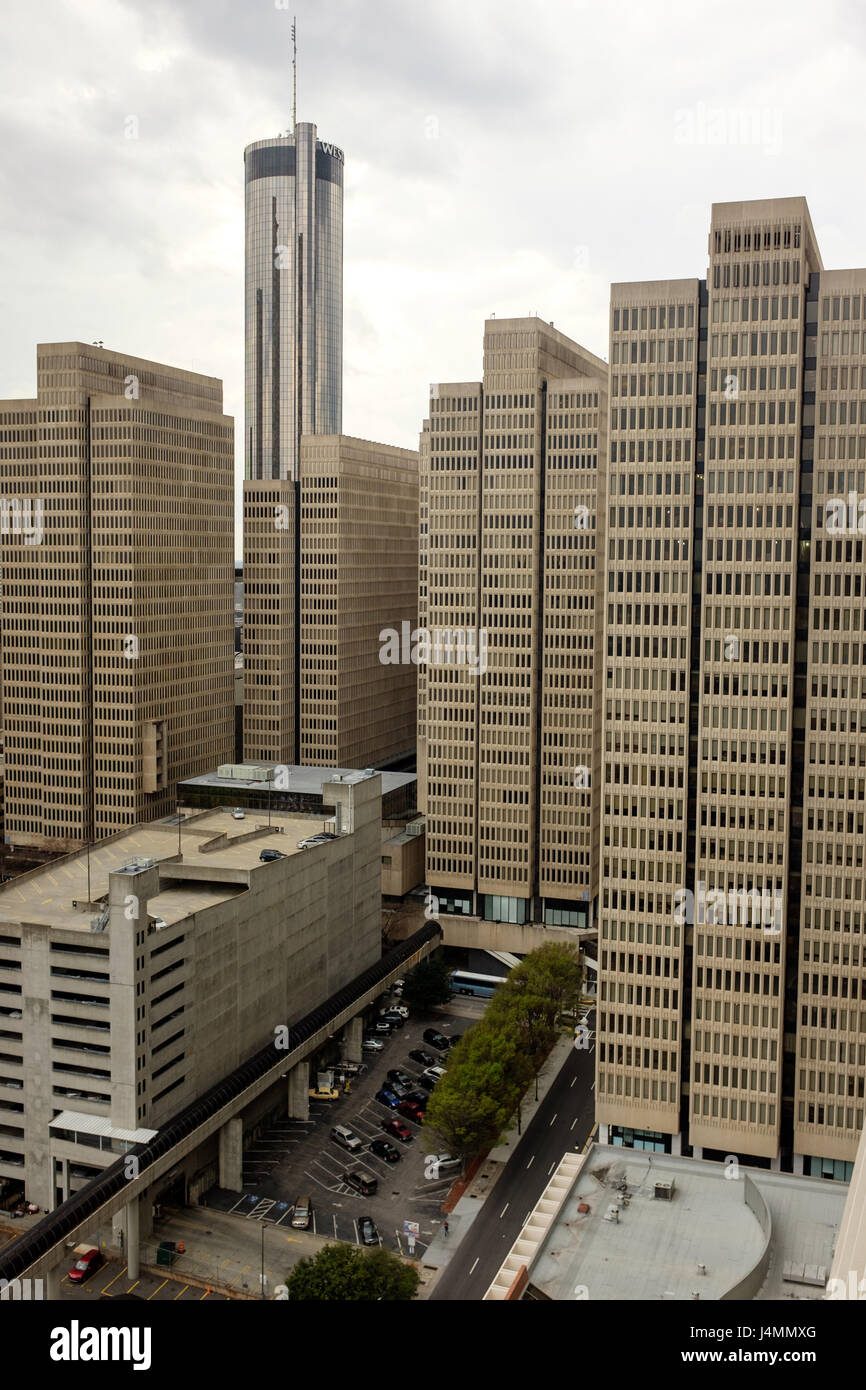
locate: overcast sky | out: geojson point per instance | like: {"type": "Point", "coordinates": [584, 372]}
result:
{"type": "Point", "coordinates": [500, 157]}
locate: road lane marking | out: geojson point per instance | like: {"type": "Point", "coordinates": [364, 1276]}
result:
{"type": "Point", "coordinates": [531, 1161]}
{"type": "Point", "coordinates": [571, 1126]}
{"type": "Point", "coordinates": [573, 1079]}
{"type": "Point", "coordinates": [553, 1121]}
{"type": "Point", "coordinates": [551, 1168]}
{"type": "Point", "coordinates": [477, 1258]}
{"type": "Point", "coordinates": [504, 1210]}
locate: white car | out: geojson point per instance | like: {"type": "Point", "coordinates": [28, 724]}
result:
{"type": "Point", "coordinates": [237, 813]}
{"type": "Point", "coordinates": [434, 1073]}
{"type": "Point", "coordinates": [372, 1045]}
{"type": "Point", "coordinates": [396, 1009]}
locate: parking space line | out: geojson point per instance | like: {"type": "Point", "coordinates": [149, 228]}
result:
{"type": "Point", "coordinates": [182, 1292]}
{"type": "Point", "coordinates": [156, 1291]}
{"type": "Point", "coordinates": [115, 1279]}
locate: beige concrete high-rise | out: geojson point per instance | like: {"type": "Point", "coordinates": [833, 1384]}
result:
{"type": "Point", "coordinates": [316, 690]}
{"type": "Point", "coordinates": [117, 563]}
{"type": "Point", "coordinates": [510, 493]}
{"type": "Point", "coordinates": [731, 957]}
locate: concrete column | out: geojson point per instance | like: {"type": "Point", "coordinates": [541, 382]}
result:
{"type": "Point", "coordinates": [231, 1159]}
{"type": "Point", "coordinates": [798, 1164]}
{"type": "Point", "coordinates": [353, 1036]}
{"type": "Point", "coordinates": [52, 1283]}
{"type": "Point", "coordinates": [299, 1092]}
{"type": "Point", "coordinates": [776, 1163]}
{"type": "Point", "coordinates": [603, 1132]}
{"type": "Point", "coordinates": [132, 1266]}
{"type": "Point", "coordinates": [697, 1151]}
{"type": "Point", "coordinates": [676, 1144]}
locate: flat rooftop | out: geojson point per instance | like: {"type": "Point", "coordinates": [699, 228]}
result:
{"type": "Point", "coordinates": [45, 896]}
{"type": "Point", "coordinates": [305, 781]}
{"type": "Point", "coordinates": [655, 1247]}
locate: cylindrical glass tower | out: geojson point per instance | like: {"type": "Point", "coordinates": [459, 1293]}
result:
{"type": "Point", "coordinates": [294, 298]}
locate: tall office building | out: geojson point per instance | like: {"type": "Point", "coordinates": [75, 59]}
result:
{"type": "Point", "coordinates": [331, 563]}
{"type": "Point", "coordinates": [512, 485]}
{"type": "Point", "coordinates": [117, 565]}
{"type": "Point", "coordinates": [731, 943]}
{"type": "Point", "coordinates": [330, 557]}
{"type": "Point", "coordinates": [294, 298]}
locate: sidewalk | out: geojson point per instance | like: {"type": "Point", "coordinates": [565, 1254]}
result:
{"type": "Point", "coordinates": [442, 1248]}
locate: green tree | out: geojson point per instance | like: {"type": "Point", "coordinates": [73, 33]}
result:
{"type": "Point", "coordinates": [428, 983]}
{"type": "Point", "coordinates": [490, 1069]}
{"type": "Point", "coordinates": [346, 1273]}
{"type": "Point", "coordinates": [472, 1105]}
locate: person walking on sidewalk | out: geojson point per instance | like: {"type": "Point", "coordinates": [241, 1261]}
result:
{"type": "Point", "coordinates": [445, 1227]}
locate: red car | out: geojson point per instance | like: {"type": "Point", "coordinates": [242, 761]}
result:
{"type": "Point", "coordinates": [88, 1263]}
{"type": "Point", "coordinates": [411, 1110]}
{"type": "Point", "coordinates": [398, 1129]}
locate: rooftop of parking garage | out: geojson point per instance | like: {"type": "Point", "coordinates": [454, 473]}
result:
{"type": "Point", "coordinates": [57, 895]}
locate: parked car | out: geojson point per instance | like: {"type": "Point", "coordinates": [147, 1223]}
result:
{"type": "Point", "coordinates": [398, 1130]}
{"type": "Point", "coordinates": [395, 1074]}
{"type": "Point", "coordinates": [237, 813]}
{"type": "Point", "coordinates": [346, 1138]}
{"type": "Point", "coordinates": [372, 1045]}
{"type": "Point", "coordinates": [367, 1231]}
{"type": "Point", "coordinates": [391, 1016]}
{"type": "Point", "coordinates": [303, 1213]}
{"type": "Point", "coordinates": [454, 1039]}
{"type": "Point", "coordinates": [382, 1149]}
{"type": "Point", "coordinates": [398, 986]}
{"type": "Point", "coordinates": [397, 1009]}
{"type": "Point", "coordinates": [419, 1098]}
{"type": "Point", "coordinates": [400, 1090]}
{"type": "Point", "coordinates": [434, 1073]}
{"type": "Point", "coordinates": [424, 1059]}
{"type": "Point", "coordinates": [325, 1093]}
{"type": "Point", "coordinates": [389, 1098]}
{"type": "Point", "coordinates": [383, 1026]}
{"type": "Point", "coordinates": [267, 856]}
{"type": "Point", "coordinates": [440, 1165]}
{"type": "Point", "coordinates": [88, 1262]}
{"type": "Point", "coordinates": [426, 1081]}
{"type": "Point", "coordinates": [410, 1110]}
{"type": "Point", "coordinates": [436, 1039]}
{"type": "Point", "coordinates": [366, 1186]}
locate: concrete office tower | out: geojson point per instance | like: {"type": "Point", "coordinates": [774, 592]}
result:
{"type": "Point", "coordinates": [117, 593]}
{"type": "Point", "coordinates": [314, 607]}
{"type": "Point", "coordinates": [511, 495]}
{"type": "Point", "coordinates": [294, 298]}
{"type": "Point", "coordinates": [731, 978]}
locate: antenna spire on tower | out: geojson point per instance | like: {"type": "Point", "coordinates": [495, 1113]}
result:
{"type": "Point", "coordinates": [294, 74]}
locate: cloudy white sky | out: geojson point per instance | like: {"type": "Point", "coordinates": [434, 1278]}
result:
{"type": "Point", "coordinates": [500, 157]}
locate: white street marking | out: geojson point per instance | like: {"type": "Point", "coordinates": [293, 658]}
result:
{"type": "Point", "coordinates": [531, 1161]}
{"type": "Point", "coordinates": [504, 1210]}
{"type": "Point", "coordinates": [477, 1258]}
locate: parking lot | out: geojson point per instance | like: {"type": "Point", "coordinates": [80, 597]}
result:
{"type": "Point", "coordinates": [296, 1158]}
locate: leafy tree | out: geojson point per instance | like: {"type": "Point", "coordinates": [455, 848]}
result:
{"type": "Point", "coordinates": [490, 1069]}
{"type": "Point", "coordinates": [428, 983]}
{"type": "Point", "coordinates": [346, 1273]}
